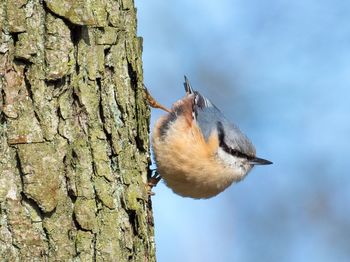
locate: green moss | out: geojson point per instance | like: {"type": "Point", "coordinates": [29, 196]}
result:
{"type": "Point", "coordinates": [132, 196]}
{"type": "Point", "coordinates": [29, 44]}
{"type": "Point", "coordinates": [59, 48]}
{"type": "Point", "coordinates": [84, 242]}
{"type": "Point", "coordinates": [80, 12]}
{"type": "Point", "coordinates": [85, 213]}
{"type": "Point", "coordinates": [104, 192]}
{"type": "Point", "coordinates": [101, 159]}
{"type": "Point", "coordinates": [59, 231]}
{"type": "Point", "coordinates": [81, 168]}
{"type": "Point", "coordinates": [16, 16]}
{"type": "Point", "coordinates": [40, 164]}
{"type": "Point", "coordinates": [107, 36]}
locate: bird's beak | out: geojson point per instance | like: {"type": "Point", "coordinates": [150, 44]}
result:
{"type": "Point", "coordinates": [259, 161]}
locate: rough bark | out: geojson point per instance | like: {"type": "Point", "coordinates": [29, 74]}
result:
{"type": "Point", "coordinates": [73, 133]}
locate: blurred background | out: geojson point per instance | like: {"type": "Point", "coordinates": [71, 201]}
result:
{"type": "Point", "coordinates": [280, 70]}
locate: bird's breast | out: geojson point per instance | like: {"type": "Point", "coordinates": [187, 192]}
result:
{"type": "Point", "coordinates": [187, 162]}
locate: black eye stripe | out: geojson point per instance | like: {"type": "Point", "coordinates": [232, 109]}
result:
{"type": "Point", "coordinates": [221, 133]}
{"type": "Point", "coordinates": [225, 147]}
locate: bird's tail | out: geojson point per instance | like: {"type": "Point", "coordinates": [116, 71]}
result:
{"type": "Point", "coordinates": [188, 87]}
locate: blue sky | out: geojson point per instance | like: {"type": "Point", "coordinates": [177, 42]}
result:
{"type": "Point", "coordinates": [280, 70]}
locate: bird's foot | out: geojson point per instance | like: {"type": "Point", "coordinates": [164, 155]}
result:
{"type": "Point", "coordinates": [153, 180]}
{"type": "Point", "coordinates": [154, 103]}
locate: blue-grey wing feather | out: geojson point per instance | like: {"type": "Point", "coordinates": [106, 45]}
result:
{"type": "Point", "coordinates": [208, 115]}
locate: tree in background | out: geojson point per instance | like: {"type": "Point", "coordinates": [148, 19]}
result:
{"type": "Point", "coordinates": [74, 144]}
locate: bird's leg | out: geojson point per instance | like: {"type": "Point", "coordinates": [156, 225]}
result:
{"type": "Point", "coordinates": [153, 103]}
{"type": "Point", "coordinates": [153, 180]}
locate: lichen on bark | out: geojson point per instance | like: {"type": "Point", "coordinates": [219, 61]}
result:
{"type": "Point", "coordinates": [74, 146]}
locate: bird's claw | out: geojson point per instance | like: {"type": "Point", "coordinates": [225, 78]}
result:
{"type": "Point", "coordinates": [154, 103]}
{"type": "Point", "coordinates": [153, 180]}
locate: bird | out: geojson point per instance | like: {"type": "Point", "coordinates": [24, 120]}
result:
{"type": "Point", "coordinates": [197, 151]}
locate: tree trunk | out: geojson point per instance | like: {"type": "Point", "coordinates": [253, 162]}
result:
{"type": "Point", "coordinates": [74, 145]}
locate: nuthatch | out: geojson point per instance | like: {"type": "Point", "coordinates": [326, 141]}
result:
{"type": "Point", "coordinates": [198, 152]}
